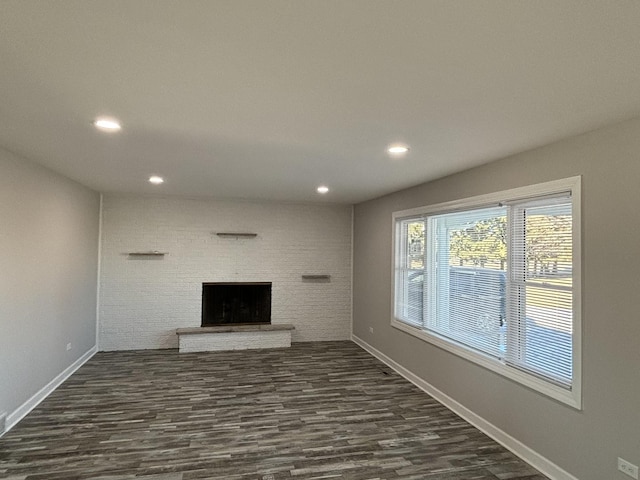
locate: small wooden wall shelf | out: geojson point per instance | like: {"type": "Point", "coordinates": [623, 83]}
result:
{"type": "Point", "coordinates": [236, 234]}
{"type": "Point", "coordinates": [316, 277]}
{"type": "Point", "coordinates": [153, 253]}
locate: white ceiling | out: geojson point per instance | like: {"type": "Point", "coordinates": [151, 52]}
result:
{"type": "Point", "coordinates": [266, 99]}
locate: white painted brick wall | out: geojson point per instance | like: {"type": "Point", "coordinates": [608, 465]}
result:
{"type": "Point", "coordinates": [144, 299]}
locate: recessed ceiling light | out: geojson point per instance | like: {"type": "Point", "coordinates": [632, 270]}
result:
{"type": "Point", "coordinates": [322, 189]}
{"type": "Point", "coordinates": [397, 149]}
{"type": "Point", "coordinates": [107, 124]}
{"type": "Point", "coordinates": [156, 180]}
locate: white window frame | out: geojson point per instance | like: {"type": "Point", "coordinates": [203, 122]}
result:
{"type": "Point", "coordinates": [572, 396]}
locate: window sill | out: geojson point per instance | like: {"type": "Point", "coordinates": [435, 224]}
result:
{"type": "Point", "coordinates": [571, 398]}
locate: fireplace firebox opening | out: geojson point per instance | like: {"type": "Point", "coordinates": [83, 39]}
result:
{"type": "Point", "coordinates": [236, 303]}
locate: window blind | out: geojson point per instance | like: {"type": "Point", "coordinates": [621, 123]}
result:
{"type": "Point", "coordinates": [410, 273]}
{"type": "Point", "coordinates": [467, 260]}
{"type": "Point", "coordinates": [541, 292]}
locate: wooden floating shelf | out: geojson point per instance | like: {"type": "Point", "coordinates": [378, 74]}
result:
{"type": "Point", "coordinates": [237, 234]}
{"type": "Point", "coordinates": [153, 253]}
{"type": "Point", "coordinates": [316, 277]}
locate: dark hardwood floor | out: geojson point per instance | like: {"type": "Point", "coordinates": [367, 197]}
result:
{"type": "Point", "coordinates": [315, 411]}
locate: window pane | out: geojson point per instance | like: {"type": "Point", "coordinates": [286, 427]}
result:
{"type": "Point", "coordinates": [477, 308]}
{"type": "Point", "coordinates": [541, 311]}
{"type": "Point", "coordinates": [548, 244]}
{"type": "Point", "coordinates": [415, 244]}
{"type": "Point", "coordinates": [415, 294]}
{"type": "Point", "coordinates": [477, 238]}
{"type": "Point", "coordinates": [469, 260]}
{"type": "Point", "coordinates": [410, 272]}
{"type": "Point", "coordinates": [548, 346]}
{"type": "Point", "coordinates": [409, 296]}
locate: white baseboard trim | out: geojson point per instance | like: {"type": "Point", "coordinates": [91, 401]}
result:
{"type": "Point", "coordinates": [19, 413]}
{"type": "Point", "coordinates": [518, 448]}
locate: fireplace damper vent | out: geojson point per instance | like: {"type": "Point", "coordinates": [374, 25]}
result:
{"type": "Point", "coordinates": [236, 303]}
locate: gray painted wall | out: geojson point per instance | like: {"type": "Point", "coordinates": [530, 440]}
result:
{"type": "Point", "coordinates": [585, 443]}
{"type": "Point", "coordinates": [48, 276]}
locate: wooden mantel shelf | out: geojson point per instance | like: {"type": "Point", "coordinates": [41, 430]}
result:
{"type": "Point", "coordinates": [234, 328]}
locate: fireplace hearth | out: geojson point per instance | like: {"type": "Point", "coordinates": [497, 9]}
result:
{"type": "Point", "coordinates": [236, 303]}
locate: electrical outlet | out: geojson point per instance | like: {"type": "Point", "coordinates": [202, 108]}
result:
{"type": "Point", "coordinates": [370, 329]}
{"type": "Point", "coordinates": [628, 468]}
{"type": "Point", "coordinates": [68, 347]}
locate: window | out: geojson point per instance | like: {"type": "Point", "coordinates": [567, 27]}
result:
{"type": "Point", "coordinates": [496, 280]}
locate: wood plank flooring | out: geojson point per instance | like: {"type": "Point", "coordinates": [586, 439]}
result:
{"type": "Point", "coordinates": [324, 410]}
